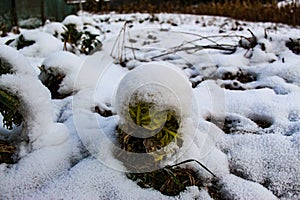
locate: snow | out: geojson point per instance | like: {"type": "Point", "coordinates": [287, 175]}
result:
{"type": "Point", "coordinates": [251, 154]}
{"type": "Point", "coordinates": [237, 188]}
{"type": "Point", "coordinates": [44, 44]}
{"type": "Point", "coordinates": [54, 28]}
{"type": "Point", "coordinates": [35, 98]}
{"type": "Point", "coordinates": [149, 82]}
{"type": "Point", "coordinates": [18, 62]}
{"type": "Point", "coordinates": [66, 64]}
{"type": "Point", "coordinates": [86, 20]}
{"type": "Point", "coordinates": [81, 185]}
{"type": "Point", "coordinates": [73, 19]}
{"type": "Point", "coordinates": [49, 146]}
{"type": "Point", "coordinates": [70, 152]}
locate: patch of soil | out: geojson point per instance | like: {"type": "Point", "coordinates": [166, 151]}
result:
{"type": "Point", "coordinates": [104, 112]}
{"type": "Point", "coordinates": [294, 45]}
{"type": "Point", "coordinates": [262, 122]}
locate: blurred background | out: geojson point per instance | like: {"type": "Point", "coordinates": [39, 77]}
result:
{"type": "Point", "coordinates": [34, 13]}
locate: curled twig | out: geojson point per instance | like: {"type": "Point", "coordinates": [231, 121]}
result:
{"type": "Point", "coordinates": [193, 160]}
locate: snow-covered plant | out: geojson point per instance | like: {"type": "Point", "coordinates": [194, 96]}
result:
{"type": "Point", "coordinates": [34, 43]}
{"type": "Point", "coordinates": [51, 81]}
{"type": "Point", "coordinates": [153, 110]}
{"type": "Point", "coordinates": [82, 40]}
{"type": "Point", "coordinates": [71, 36]}
{"type": "Point", "coordinates": [20, 42]}
{"type": "Point", "coordinates": [38, 138]}
{"type": "Point", "coordinates": [170, 180]}
{"type": "Point", "coordinates": [148, 129]}
{"type": "Point", "coordinates": [89, 42]}
{"type": "Point", "coordinates": [9, 109]}
{"type": "Point", "coordinates": [150, 109]}
{"type": "Point", "coordinates": [58, 72]}
{"type": "Point", "coordinates": [9, 103]}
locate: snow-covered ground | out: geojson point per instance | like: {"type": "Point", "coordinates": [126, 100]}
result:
{"type": "Point", "coordinates": [240, 107]}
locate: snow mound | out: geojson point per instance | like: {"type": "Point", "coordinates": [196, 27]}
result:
{"type": "Point", "coordinates": [35, 98]}
{"type": "Point", "coordinates": [18, 63]}
{"type": "Point", "coordinates": [55, 29]}
{"type": "Point", "coordinates": [49, 149]}
{"type": "Point", "coordinates": [237, 188]}
{"type": "Point", "coordinates": [159, 83]}
{"type": "Point", "coordinates": [91, 179]}
{"type": "Point", "coordinates": [44, 44]}
{"type": "Point", "coordinates": [63, 63]}
{"type": "Point", "coordinates": [73, 19]}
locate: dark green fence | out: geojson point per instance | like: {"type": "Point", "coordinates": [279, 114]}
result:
{"type": "Point", "coordinates": [39, 9]}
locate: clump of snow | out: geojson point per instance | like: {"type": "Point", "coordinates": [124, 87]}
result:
{"type": "Point", "coordinates": [288, 71]}
{"type": "Point", "coordinates": [151, 83]}
{"type": "Point", "coordinates": [91, 29]}
{"type": "Point", "coordinates": [86, 20]}
{"type": "Point", "coordinates": [235, 60]}
{"type": "Point", "coordinates": [44, 44]}
{"type": "Point", "coordinates": [73, 19]}
{"type": "Point", "coordinates": [65, 64]}
{"type": "Point", "coordinates": [55, 29]}
{"type": "Point", "coordinates": [17, 62]}
{"type": "Point", "coordinates": [237, 188]}
{"type": "Point", "coordinates": [266, 45]}
{"type": "Point", "coordinates": [259, 56]}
